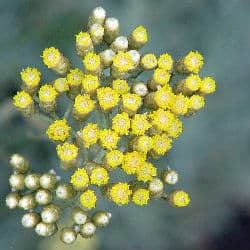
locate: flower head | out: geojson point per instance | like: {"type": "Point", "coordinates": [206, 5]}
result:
{"type": "Point", "coordinates": [88, 199]}
{"type": "Point", "coordinates": [107, 98]}
{"type": "Point", "coordinates": [149, 61]}
{"type": "Point", "coordinates": [161, 119]}
{"type": "Point", "coordinates": [165, 62]}
{"type": "Point", "coordinates": [108, 139]}
{"type": "Point", "coordinates": [140, 197]}
{"type": "Point", "coordinates": [99, 176]}
{"type": "Point", "coordinates": [90, 83]}
{"type": "Point", "coordinates": [208, 85]}
{"type": "Point", "coordinates": [92, 62]}
{"type": "Point", "coordinates": [114, 158]}
{"type": "Point", "coordinates": [59, 130]}
{"type": "Point", "coordinates": [193, 61]}
{"type": "Point", "coordinates": [179, 198]}
{"type": "Point", "coordinates": [180, 104]}
{"type": "Point", "coordinates": [146, 172]}
{"type": "Point", "coordinates": [131, 102]}
{"type": "Point", "coordinates": [192, 82]}
{"type": "Point", "coordinates": [61, 85]}
{"type": "Point", "coordinates": [161, 76]}
{"type": "Point", "coordinates": [122, 61]}
{"type": "Point", "coordinates": [83, 39]}
{"type": "Point", "coordinates": [163, 97]}
{"type": "Point", "coordinates": [161, 144]}
{"type": "Point", "coordinates": [121, 123]}
{"type": "Point", "coordinates": [51, 57]}
{"type": "Point", "coordinates": [90, 134]}
{"type": "Point", "coordinates": [80, 179]}
{"type": "Point", "coordinates": [175, 129]}
{"type": "Point", "coordinates": [120, 86]}
{"type": "Point", "coordinates": [140, 124]}
{"type": "Point", "coordinates": [138, 37]}
{"type": "Point", "coordinates": [133, 161]}
{"type": "Point", "coordinates": [120, 193]}
{"type": "Point", "coordinates": [22, 100]}
{"type": "Point", "coordinates": [74, 77]}
{"type": "Point", "coordinates": [67, 151]}
{"type": "Point", "coordinates": [47, 93]}
{"type": "Point", "coordinates": [31, 76]}
{"type": "Point", "coordinates": [143, 143]}
{"type": "Point", "coordinates": [196, 102]}
{"type": "Point", "coordinates": [84, 104]}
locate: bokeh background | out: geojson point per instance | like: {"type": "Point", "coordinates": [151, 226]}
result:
{"type": "Point", "coordinates": [212, 156]}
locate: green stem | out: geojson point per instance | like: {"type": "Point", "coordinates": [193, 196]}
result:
{"type": "Point", "coordinates": [68, 111]}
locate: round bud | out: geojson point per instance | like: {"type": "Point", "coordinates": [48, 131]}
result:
{"type": "Point", "coordinates": [12, 200]}
{"type": "Point", "coordinates": [27, 202]}
{"type": "Point", "coordinates": [107, 57]}
{"type": "Point", "coordinates": [68, 235]}
{"type": "Point", "coordinates": [155, 188]}
{"type": "Point", "coordinates": [17, 181]}
{"type": "Point", "coordinates": [50, 213]}
{"type": "Point", "coordinates": [120, 44]}
{"type": "Point", "coordinates": [111, 28]}
{"type": "Point", "coordinates": [169, 177]}
{"type": "Point", "coordinates": [88, 230]}
{"type": "Point", "coordinates": [45, 229]}
{"type": "Point", "coordinates": [135, 55]}
{"type": "Point", "coordinates": [43, 197]}
{"type": "Point", "coordinates": [48, 181]}
{"type": "Point", "coordinates": [79, 216]}
{"type": "Point", "coordinates": [101, 219]}
{"type": "Point", "coordinates": [32, 181]}
{"type": "Point", "coordinates": [140, 88]}
{"type": "Point", "coordinates": [30, 220]}
{"type": "Point", "coordinates": [19, 163]}
{"type": "Point", "coordinates": [98, 15]}
{"type": "Point", "coordinates": [65, 191]}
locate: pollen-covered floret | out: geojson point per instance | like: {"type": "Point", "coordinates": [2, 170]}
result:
{"type": "Point", "coordinates": [67, 151]}
{"type": "Point", "coordinates": [99, 176]}
{"type": "Point", "coordinates": [31, 77]}
{"type": "Point", "coordinates": [47, 93]}
{"type": "Point", "coordinates": [107, 98]}
{"type": "Point", "coordinates": [88, 199]}
{"type": "Point", "coordinates": [90, 83]}
{"type": "Point", "coordinates": [140, 124]}
{"type": "Point", "coordinates": [120, 193]}
{"type": "Point", "coordinates": [161, 119]}
{"type": "Point", "coordinates": [165, 62]}
{"type": "Point", "coordinates": [120, 86]}
{"type": "Point", "coordinates": [161, 144]}
{"type": "Point", "coordinates": [146, 172]}
{"type": "Point", "coordinates": [90, 134]}
{"type": "Point", "coordinates": [133, 161]}
{"type": "Point", "coordinates": [121, 123]}
{"type": "Point", "coordinates": [140, 196]}
{"type": "Point", "coordinates": [80, 179]}
{"type": "Point", "coordinates": [114, 158]}
{"type": "Point", "coordinates": [193, 61]}
{"type": "Point", "coordinates": [51, 57]}
{"type": "Point", "coordinates": [22, 100]}
{"type": "Point", "coordinates": [58, 131]}
{"type": "Point", "coordinates": [108, 139]}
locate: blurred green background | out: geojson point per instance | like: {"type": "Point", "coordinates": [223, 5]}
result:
{"type": "Point", "coordinates": [212, 156]}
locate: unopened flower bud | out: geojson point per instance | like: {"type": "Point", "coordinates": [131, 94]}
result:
{"type": "Point", "coordinates": [155, 188]}
{"type": "Point", "coordinates": [43, 197]}
{"type": "Point", "coordinates": [30, 220]}
{"type": "Point", "coordinates": [119, 44]}
{"type": "Point", "coordinates": [51, 213]}
{"type": "Point", "coordinates": [12, 200]}
{"type": "Point", "coordinates": [19, 163]}
{"type": "Point", "coordinates": [169, 177]}
{"type": "Point", "coordinates": [27, 202]}
{"type": "Point", "coordinates": [61, 85]}
{"type": "Point", "coordinates": [48, 181]}
{"type": "Point", "coordinates": [140, 88]}
{"type": "Point", "coordinates": [88, 230]}
{"type": "Point", "coordinates": [17, 181]}
{"type": "Point", "coordinates": [96, 32]}
{"type": "Point", "coordinates": [79, 216]}
{"type": "Point", "coordinates": [111, 29]}
{"type": "Point", "coordinates": [98, 15]}
{"type": "Point", "coordinates": [68, 235]}
{"type": "Point", "coordinates": [101, 219]}
{"type": "Point", "coordinates": [32, 181]}
{"type": "Point", "coordinates": [107, 57]}
{"type": "Point", "coordinates": [136, 57]}
{"type": "Point", "coordinates": [45, 229]}
{"type": "Point", "coordinates": [65, 191]}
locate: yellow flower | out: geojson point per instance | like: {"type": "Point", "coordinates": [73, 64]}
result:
{"type": "Point", "coordinates": [83, 39]}
{"type": "Point", "coordinates": [108, 139]}
{"type": "Point", "coordinates": [165, 62]}
{"type": "Point", "coordinates": [59, 130]}
{"type": "Point", "coordinates": [146, 172]}
{"type": "Point", "coordinates": [208, 86]}
{"type": "Point", "coordinates": [120, 86]}
{"type": "Point", "coordinates": [67, 151]}
{"type": "Point", "coordinates": [131, 102]}
{"type": "Point", "coordinates": [175, 128]}
{"type": "Point", "coordinates": [80, 179]}
{"type": "Point", "coordinates": [122, 62]}
{"type": "Point", "coordinates": [51, 57]}
{"type": "Point", "coordinates": [99, 176]}
{"type": "Point", "coordinates": [193, 61]}
{"type": "Point", "coordinates": [132, 161]}
{"type": "Point", "coordinates": [180, 104]}
{"type": "Point", "coordinates": [143, 143]}
{"type": "Point", "coordinates": [84, 104]}
{"type": "Point", "coordinates": [121, 123]}
{"type": "Point", "coordinates": [179, 198]}
{"type": "Point", "coordinates": [139, 124]}
{"type": "Point", "coordinates": [107, 98]}
{"type": "Point", "coordinates": [92, 63]}
{"type": "Point", "coordinates": [139, 36]}
{"type": "Point", "coordinates": [22, 100]}
{"type": "Point", "coordinates": [161, 119]}
{"type": "Point", "coordinates": [90, 83]}
{"type": "Point", "coordinates": [74, 77]}
{"type": "Point", "coordinates": [161, 77]}
{"type": "Point", "coordinates": [114, 158]}
{"type": "Point", "coordinates": [88, 199]}
{"type": "Point", "coordinates": [196, 102]}
{"type": "Point", "coordinates": [140, 196]}
{"type": "Point", "coordinates": [163, 97]}
{"type": "Point", "coordinates": [61, 85]}
{"type": "Point", "coordinates": [31, 76]}
{"type": "Point", "coordinates": [149, 61]}
{"type": "Point", "coordinates": [162, 144]}
{"type": "Point", "coordinates": [90, 134]}
{"type": "Point", "coordinates": [47, 93]}
{"type": "Point", "coordinates": [120, 193]}
{"type": "Point", "coordinates": [192, 82]}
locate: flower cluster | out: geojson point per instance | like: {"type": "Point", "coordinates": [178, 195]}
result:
{"type": "Point", "coordinates": [114, 120]}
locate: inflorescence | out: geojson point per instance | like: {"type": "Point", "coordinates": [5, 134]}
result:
{"type": "Point", "coordinates": [114, 122]}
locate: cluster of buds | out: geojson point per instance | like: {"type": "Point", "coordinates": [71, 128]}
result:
{"type": "Point", "coordinates": [114, 120]}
